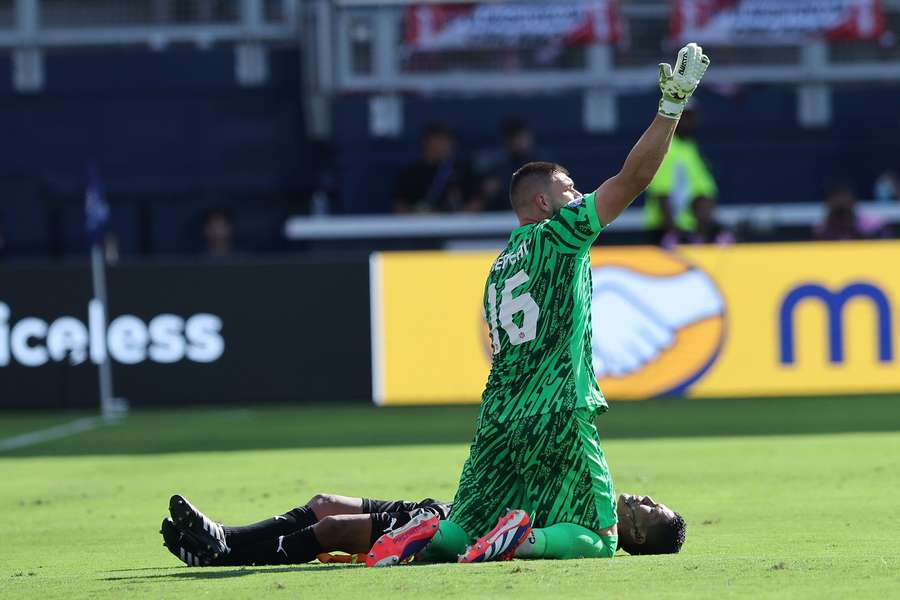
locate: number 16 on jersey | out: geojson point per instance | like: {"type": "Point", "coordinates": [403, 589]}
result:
{"type": "Point", "coordinates": [509, 306]}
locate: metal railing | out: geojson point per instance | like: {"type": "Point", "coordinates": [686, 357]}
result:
{"type": "Point", "coordinates": [493, 225]}
{"type": "Point", "coordinates": [356, 46]}
{"type": "Point", "coordinates": [359, 49]}
{"type": "Point", "coordinates": [30, 27]}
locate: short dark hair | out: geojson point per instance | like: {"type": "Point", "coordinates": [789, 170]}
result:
{"type": "Point", "coordinates": [512, 127]}
{"type": "Point", "coordinates": [435, 129]}
{"type": "Point", "coordinates": [663, 538]}
{"type": "Point", "coordinates": [218, 211]}
{"type": "Point", "coordinates": [529, 171]}
{"type": "Point", "coordinates": [835, 186]}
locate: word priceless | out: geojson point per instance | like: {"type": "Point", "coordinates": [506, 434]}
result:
{"type": "Point", "coordinates": [166, 338]}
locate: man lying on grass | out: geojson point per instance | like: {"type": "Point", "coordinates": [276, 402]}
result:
{"type": "Point", "coordinates": [331, 523]}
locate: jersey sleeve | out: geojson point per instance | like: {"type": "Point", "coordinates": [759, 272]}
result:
{"type": "Point", "coordinates": [576, 225]}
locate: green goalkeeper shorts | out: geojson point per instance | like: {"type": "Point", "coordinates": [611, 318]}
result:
{"type": "Point", "coordinates": [550, 465]}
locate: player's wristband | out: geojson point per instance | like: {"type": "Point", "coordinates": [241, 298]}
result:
{"type": "Point", "coordinates": [669, 109]}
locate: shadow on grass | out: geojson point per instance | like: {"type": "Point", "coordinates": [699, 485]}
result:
{"type": "Point", "coordinates": [132, 570]}
{"type": "Point", "coordinates": [157, 432]}
{"type": "Point", "coordinates": [227, 574]}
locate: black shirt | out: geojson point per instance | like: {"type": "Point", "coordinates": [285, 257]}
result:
{"type": "Point", "coordinates": [424, 187]}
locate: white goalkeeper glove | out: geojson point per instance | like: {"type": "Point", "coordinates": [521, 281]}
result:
{"type": "Point", "coordinates": [677, 87]}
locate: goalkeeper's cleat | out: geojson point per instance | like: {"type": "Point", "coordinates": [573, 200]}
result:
{"type": "Point", "coordinates": [207, 532]}
{"type": "Point", "coordinates": [400, 545]}
{"type": "Point", "coordinates": [184, 545]}
{"type": "Point", "coordinates": [502, 541]}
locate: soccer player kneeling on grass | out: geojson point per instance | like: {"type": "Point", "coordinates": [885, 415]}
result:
{"type": "Point", "coordinates": [332, 523]}
{"type": "Point", "coordinates": [536, 448]}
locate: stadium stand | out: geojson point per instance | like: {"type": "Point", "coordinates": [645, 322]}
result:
{"type": "Point", "coordinates": [192, 105]}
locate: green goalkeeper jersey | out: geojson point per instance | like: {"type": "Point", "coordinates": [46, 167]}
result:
{"type": "Point", "coordinates": [537, 303]}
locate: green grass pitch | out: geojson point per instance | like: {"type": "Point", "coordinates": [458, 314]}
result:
{"type": "Point", "coordinates": [784, 498]}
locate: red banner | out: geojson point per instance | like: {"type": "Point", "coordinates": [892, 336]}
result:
{"type": "Point", "coordinates": [514, 24]}
{"type": "Point", "coordinates": [751, 22]}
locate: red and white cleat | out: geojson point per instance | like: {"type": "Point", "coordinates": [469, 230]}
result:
{"type": "Point", "coordinates": [396, 547]}
{"type": "Point", "coordinates": [501, 542]}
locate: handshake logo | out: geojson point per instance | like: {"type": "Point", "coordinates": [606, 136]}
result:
{"type": "Point", "coordinates": [641, 322]}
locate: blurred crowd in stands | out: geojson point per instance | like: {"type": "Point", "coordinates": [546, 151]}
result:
{"type": "Point", "coordinates": [443, 181]}
{"type": "Point", "coordinates": [679, 206]}
{"type": "Point", "coordinates": [223, 178]}
{"type": "Point", "coordinates": [208, 147]}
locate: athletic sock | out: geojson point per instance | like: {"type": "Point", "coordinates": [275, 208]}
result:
{"type": "Point", "coordinates": [567, 540]}
{"type": "Point", "coordinates": [290, 522]}
{"type": "Point", "coordinates": [447, 544]}
{"type": "Point", "coordinates": [296, 548]}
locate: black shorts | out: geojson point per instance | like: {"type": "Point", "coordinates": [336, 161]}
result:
{"type": "Point", "coordinates": [441, 509]}
{"type": "Point", "coordinates": [388, 515]}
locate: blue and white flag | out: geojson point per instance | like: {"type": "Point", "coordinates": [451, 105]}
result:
{"type": "Point", "coordinates": [96, 209]}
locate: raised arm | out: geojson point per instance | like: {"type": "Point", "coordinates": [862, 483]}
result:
{"type": "Point", "coordinates": [620, 190]}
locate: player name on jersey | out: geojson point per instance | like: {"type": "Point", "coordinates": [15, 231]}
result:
{"type": "Point", "coordinates": [511, 258]}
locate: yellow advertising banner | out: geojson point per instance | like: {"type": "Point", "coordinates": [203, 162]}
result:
{"type": "Point", "coordinates": [700, 321]}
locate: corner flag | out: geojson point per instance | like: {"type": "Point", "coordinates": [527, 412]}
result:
{"type": "Point", "coordinates": [96, 220]}
{"type": "Point", "coordinates": [96, 209]}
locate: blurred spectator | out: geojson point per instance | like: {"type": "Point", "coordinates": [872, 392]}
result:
{"type": "Point", "coordinates": [218, 231]}
{"type": "Point", "coordinates": [683, 177]}
{"type": "Point", "coordinates": [887, 187]}
{"type": "Point", "coordinates": [493, 168]}
{"type": "Point", "coordinates": [167, 11]}
{"type": "Point", "coordinates": [707, 230]}
{"type": "Point", "coordinates": [438, 181]}
{"type": "Point", "coordinates": [842, 222]}
{"type": "Point", "coordinates": [324, 165]}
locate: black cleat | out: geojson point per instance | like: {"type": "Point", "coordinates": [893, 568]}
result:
{"type": "Point", "coordinates": [188, 519]}
{"type": "Point", "coordinates": [183, 545]}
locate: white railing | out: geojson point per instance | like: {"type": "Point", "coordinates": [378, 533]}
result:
{"type": "Point", "coordinates": [468, 225]}
{"type": "Point", "coordinates": [365, 54]}
{"type": "Point", "coordinates": [356, 46]}
{"type": "Point", "coordinates": [34, 26]}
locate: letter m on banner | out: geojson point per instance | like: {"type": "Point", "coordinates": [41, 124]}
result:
{"type": "Point", "coordinates": [834, 303]}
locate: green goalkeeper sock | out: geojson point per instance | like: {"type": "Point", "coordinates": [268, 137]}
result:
{"type": "Point", "coordinates": [447, 544]}
{"type": "Point", "coordinates": [567, 540]}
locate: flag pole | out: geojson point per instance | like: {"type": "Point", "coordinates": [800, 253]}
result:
{"type": "Point", "coordinates": [98, 272]}
{"type": "Point", "coordinates": [96, 212]}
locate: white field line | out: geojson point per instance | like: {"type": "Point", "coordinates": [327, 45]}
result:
{"type": "Point", "coordinates": [51, 433]}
